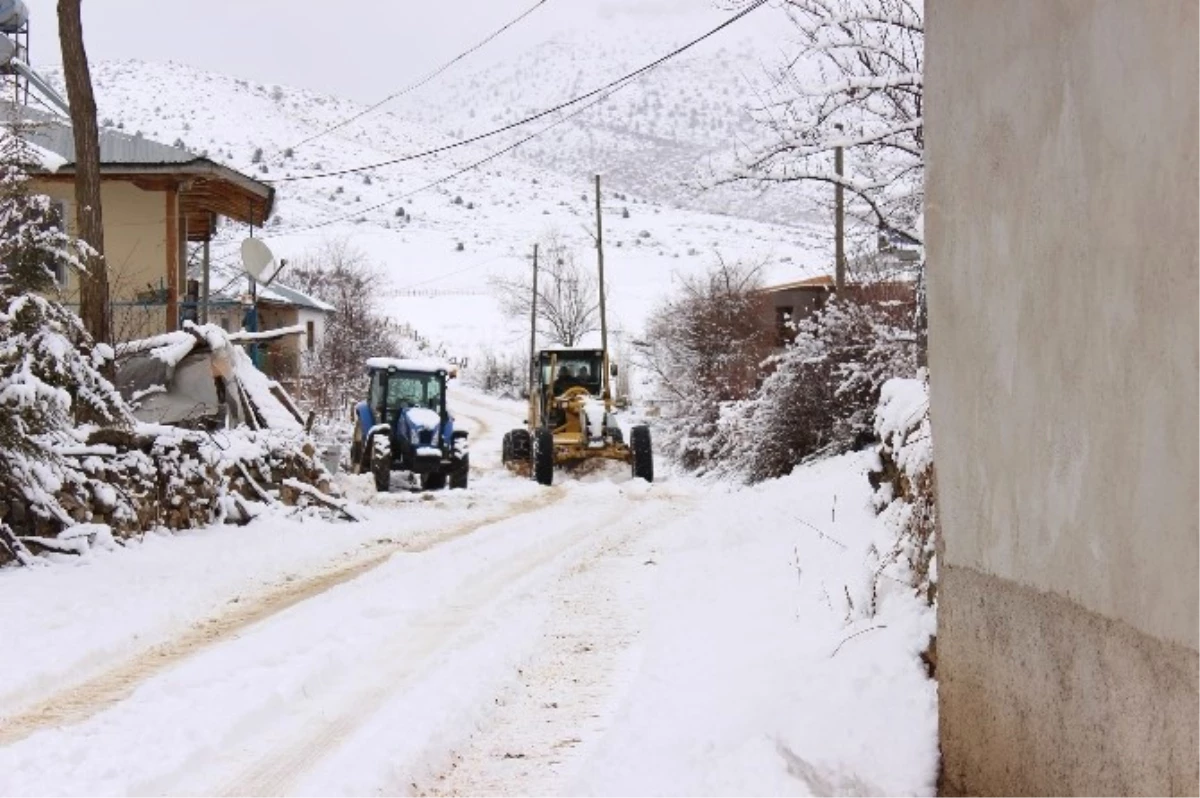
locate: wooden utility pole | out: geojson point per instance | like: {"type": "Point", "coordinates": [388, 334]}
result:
{"type": "Point", "coordinates": [533, 364]}
{"type": "Point", "coordinates": [94, 305]}
{"type": "Point", "coordinates": [839, 220]}
{"type": "Point", "coordinates": [600, 263]}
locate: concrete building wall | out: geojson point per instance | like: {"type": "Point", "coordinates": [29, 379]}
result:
{"type": "Point", "coordinates": [1062, 247]}
{"type": "Point", "coordinates": [135, 244]}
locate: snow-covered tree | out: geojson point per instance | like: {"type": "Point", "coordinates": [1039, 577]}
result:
{"type": "Point", "coordinates": [855, 82]}
{"type": "Point", "coordinates": [35, 249]}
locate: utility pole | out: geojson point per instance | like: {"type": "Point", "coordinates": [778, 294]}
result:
{"type": "Point", "coordinates": [839, 219]}
{"type": "Point", "coordinates": [603, 317]}
{"type": "Point", "coordinates": [533, 365]}
{"type": "Point", "coordinates": [94, 305]}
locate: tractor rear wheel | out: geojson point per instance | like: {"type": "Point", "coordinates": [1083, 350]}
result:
{"type": "Point", "coordinates": [543, 457]}
{"type": "Point", "coordinates": [643, 456]}
{"type": "Point", "coordinates": [356, 450]}
{"type": "Point", "coordinates": [459, 476]}
{"type": "Point", "coordinates": [381, 462]}
{"type": "Point", "coordinates": [522, 445]}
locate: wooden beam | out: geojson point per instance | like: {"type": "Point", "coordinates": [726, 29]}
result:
{"type": "Point", "coordinates": [172, 259]}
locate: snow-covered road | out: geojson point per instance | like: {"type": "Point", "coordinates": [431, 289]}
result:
{"type": "Point", "coordinates": [504, 639]}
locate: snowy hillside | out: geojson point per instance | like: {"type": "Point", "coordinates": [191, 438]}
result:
{"type": "Point", "coordinates": [495, 213]}
{"type": "Point", "coordinates": [654, 137]}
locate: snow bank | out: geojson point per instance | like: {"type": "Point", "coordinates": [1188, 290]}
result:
{"type": "Point", "coordinates": [760, 674]}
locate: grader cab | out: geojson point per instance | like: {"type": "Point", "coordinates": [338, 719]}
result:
{"type": "Point", "coordinates": [571, 419]}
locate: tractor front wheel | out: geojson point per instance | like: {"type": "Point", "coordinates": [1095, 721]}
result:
{"type": "Point", "coordinates": [643, 457]}
{"type": "Point", "coordinates": [381, 462]}
{"type": "Point", "coordinates": [521, 445]}
{"type": "Point", "coordinates": [460, 475]}
{"type": "Point", "coordinates": [543, 456]}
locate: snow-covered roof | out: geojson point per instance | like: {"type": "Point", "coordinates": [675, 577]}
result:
{"type": "Point", "coordinates": [404, 364]}
{"type": "Point", "coordinates": [45, 159]}
{"type": "Point", "coordinates": [276, 292]}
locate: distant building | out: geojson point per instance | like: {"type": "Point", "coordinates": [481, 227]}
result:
{"type": "Point", "coordinates": [278, 307]}
{"type": "Point", "coordinates": [795, 301]}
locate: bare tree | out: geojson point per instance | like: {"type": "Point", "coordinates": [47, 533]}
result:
{"type": "Point", "coordinates": [856, 83]}
{"type": "Point", "coordinates": [705, 346]}
{"type": "Point", "coordinates": [93, 296]}
{"type": "Point", "coordinates": [341, 275]}
{"type": "Point", "coordinates": [568, 298]}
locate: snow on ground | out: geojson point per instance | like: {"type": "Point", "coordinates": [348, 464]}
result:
{"type": "Point", "coordinates": [600, 636]}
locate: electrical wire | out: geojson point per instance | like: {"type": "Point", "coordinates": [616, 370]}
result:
{"type": "Point", "coordinates": [469, 167]}
{"type": "Point", "coordinates": [637, 73]}
{"type": "Point", "coordinates": [414, 86]}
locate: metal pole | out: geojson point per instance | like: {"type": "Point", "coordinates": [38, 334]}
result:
{"type": "Point", "coordinates": [533, 325]}
{"type": "Point", "coordinates": [204, 282]}
{"type": "Point", "coordinates": [603, 317]}
{"type": "Point", "coordinates": [839, 219]}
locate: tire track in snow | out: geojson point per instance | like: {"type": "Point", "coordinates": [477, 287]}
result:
{"type": "Point", "coordinates": [545, 726]}
{"type": "Point", "coordinates": [400, 665]}
{"type": "Point", "coordinates": [87, 698]}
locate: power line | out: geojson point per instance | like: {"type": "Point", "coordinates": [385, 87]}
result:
{"type": "Point", "coordinates": [534, 117]}
{"type": "Point", "coordinates": [422, 81]}
{"type": "Point", "coordinates": [469, 167]}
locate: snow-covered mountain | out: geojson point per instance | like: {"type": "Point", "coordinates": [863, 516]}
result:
{"type": "Point", "coordinates": [656, 137]}
{"type": "Point", "coordinates": [438, 245]}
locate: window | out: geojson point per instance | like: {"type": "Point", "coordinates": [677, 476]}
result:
{"type": "Point", "coordinates": [58, 216]}
{"type": "Point", "coordinates": [311, 335]}
{"type": "Point", "coordinates": [783, 324]}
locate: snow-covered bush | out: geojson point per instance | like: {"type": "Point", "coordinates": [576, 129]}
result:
{"type": "Point", "coordinates": [821, 393]}
{"type": "Point", "coordinates": [904, 486]}
{"type": "Point", "coordinates": [500, 373]}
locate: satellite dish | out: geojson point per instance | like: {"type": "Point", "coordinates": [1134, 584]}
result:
{"type": "Point", "coordinates": [258, 261]}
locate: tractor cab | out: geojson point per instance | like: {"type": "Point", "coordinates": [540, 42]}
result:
{"type": "Point", "coordinates": [560, 370]}
{"type": "Point", "coordinates": [405, 425]}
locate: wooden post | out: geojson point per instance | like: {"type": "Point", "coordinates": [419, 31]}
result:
{"type": "Point", "coordinates": [603, 317]}
{"type": "Point", "coordinates": [839, 220]}
{"type": "Point", "coordinates": [94, 305]}
{"type": "Point", "coordinates": [533, 325]}
{"type": "Point", "coordinates": [205, 276]}
{"type": "Point", "coordinates": [172, 259]}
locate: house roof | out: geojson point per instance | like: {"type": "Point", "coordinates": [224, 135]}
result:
{"type": "Point", "coordinates": [278, 294]}
{"type": "Point", "coordinates": [281, 294]}
{"type": "Point", "coordinates": [205, 186]}
{"type": "Point", "coordinates": [823, 281]}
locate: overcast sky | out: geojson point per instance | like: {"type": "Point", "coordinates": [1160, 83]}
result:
{"type": "Point", "coordinates": [360, 49]}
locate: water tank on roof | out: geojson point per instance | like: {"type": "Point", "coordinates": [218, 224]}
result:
{"type": "Point", "coordinates": [13, 14]}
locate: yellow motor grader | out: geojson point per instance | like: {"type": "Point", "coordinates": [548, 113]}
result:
{"type": "Point", "coordinates": [570, 419]}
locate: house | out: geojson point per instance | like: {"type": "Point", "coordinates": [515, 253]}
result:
{"type": "Point", "coordinates": [157, 202]}
{"type": "Point", "coordinates": [1062, 228]}
{"type": "Point", "coordinates": [279, 307]}
{"type": "Point", "coordinates": [795, 301]}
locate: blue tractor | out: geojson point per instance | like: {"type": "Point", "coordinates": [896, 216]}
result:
{"type": "Point", "coordinates": [404, 426]}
